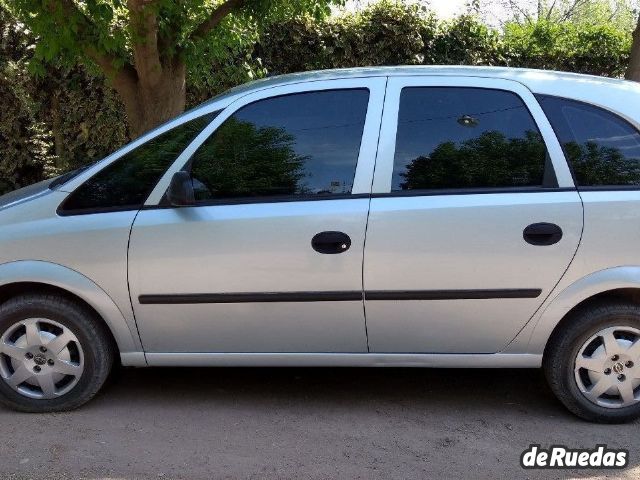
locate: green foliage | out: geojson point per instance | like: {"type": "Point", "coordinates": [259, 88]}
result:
{"type": "Point", "coordinates": [390, 33]}
{"type": "Point", "coordinates": [25, 155]}
{"type": "Point", "coordinates": [24, 140]}
{"type": "Point", "coordinates": [387, 33]}
{"type": "Point", "coordinates": [85, 117]}
{"type": "Point", "coordinates": [621, 13]}
{"type": "Point", "coordinates": [69, 31]}
{"type": "Point", "coordinates": [466, 41]}
{"type": "Point", "coordinates": [574, 47]}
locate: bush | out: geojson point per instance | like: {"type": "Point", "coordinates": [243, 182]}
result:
{"type": "Point", "coordinates": [397, 34]}
{"type": "Point", "coordinates": [581, 48]}
{"type": "Point", "coordinates": [25, 153]}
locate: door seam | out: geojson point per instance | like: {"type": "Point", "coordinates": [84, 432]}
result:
{"type": "Point", "coordinates": [366, 227]}
{"type": "Point", "coordinates": [133, 310]}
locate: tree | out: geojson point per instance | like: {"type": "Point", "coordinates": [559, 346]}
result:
{"type": "Point", "coordinates": [591, 15]}
{"type": "Point", "coordinates": [633, 71]}
{"type": "Point", "coordinates": [618, 12]}
{"type": "Point", "coordinates": [144, 47]}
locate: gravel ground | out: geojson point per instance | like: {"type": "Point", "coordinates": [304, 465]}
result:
{"type": "Point", "coordinates": [306, 423]}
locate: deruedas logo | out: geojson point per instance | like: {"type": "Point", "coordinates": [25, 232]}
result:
{"type": "Point", "coordinates": [560, 456]}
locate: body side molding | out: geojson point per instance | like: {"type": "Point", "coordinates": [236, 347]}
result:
{"type": "Point", "coordinates": [452, 294]}
{"type": "Point", "coordinates": [342, 296]}
{"type": "Point", "coordinates": [261, 297]}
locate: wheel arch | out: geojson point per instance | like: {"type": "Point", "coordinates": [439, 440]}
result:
{"type": "Point", "coordinates": [617, 283]}
{"type": "Point", "coordinates": [29, 276]}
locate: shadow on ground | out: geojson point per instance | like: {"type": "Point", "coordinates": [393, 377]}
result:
{"type": "Point", "coordinates": [305, 423]}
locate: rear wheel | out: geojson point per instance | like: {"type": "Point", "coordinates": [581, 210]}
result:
{"type": "Point", "coordinates": [54, 353]}
{"type": "Point", "coordinates": [593, 363]}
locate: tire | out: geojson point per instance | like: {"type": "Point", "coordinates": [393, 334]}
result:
{"type": "Point", "coordinates": [66, 379]}
{"type": "Point", "coordinates": [582, 340]}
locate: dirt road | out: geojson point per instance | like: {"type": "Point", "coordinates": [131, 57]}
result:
{"type": "Point", "coordinates": [305, 423]}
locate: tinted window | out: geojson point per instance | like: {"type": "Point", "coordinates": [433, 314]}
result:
{"type": "Point", "coordinates": [128, 181]}
{"type": "Point", "coordinates": [461, 138]}
{"type": "Point", "coordinates": [602, 148]}
{"type": "Point", "coordinates": [301, 144]}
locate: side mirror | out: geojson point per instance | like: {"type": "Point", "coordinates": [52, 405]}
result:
{"type": "Point", "coordinates": [180, 192]}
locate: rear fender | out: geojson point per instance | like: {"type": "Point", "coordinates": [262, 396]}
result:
{"type": "Point", "coordinates": [534, 337]}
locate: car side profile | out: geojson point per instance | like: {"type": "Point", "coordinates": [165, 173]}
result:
{"type": "Point", "coordinates": [397, 216]}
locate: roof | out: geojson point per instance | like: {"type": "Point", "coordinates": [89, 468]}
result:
{"type": "Point", "coordinates": [522, 75]}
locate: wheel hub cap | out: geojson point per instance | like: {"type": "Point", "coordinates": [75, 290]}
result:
{"type": "Point", "coordinates": [40, 358]}
{"type": "Point", "coordinates": [606, 367]}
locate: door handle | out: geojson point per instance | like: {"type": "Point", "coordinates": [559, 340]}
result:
{"type": "Point", "coordinates": [542, 234]}
{"type": "Point", "coordinates": [331, 242]}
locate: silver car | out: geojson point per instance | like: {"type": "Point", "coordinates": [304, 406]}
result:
{"type": "Point", "coordinates": [410, 216]}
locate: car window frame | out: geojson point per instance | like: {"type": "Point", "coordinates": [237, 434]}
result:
{"type": "Point", "coordinates": [366, 157]}
{"type": "Point", "coordinates": [382, 182]}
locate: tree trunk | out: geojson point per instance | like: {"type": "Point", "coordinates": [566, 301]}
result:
{"type": "Point", "coordinates": [633, 71]}
{"type": "Point", "coordinates": [147, 104]}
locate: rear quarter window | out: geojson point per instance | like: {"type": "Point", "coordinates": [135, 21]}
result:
{"type": "Point", "coordinates": [602, 148]}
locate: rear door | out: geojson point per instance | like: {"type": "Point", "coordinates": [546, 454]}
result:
{"type": "Point", "coordinates": [474, 216]}
{"type": "Point", "coordinates": [270, 257]}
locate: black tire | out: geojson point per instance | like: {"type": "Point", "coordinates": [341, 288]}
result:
{"type": "Point", "coordinates": [564, 346]}
{"type": "Point", "coordinates": [91, 333]}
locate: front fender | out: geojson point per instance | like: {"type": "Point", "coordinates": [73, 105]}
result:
{"type": "Point", "coordinates": [556, 307]}
{"type": "Point", "coordinates": [124, 332]}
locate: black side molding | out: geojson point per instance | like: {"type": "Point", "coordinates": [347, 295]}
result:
{"type": "Point", "coordinates": [452, 294]}
{"type": "Point", "coordinates": [261, 297]}
{"type": "Point", "coordinates": [344, 296]}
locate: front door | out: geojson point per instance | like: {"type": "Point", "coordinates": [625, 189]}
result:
{"type": "Point", "coordinates": [474, 218]}
{"type": "Point", "coordinates": [270, 257]}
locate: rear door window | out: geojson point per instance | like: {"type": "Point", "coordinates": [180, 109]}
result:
{"type": "Point", "coordinates": [460, 138]}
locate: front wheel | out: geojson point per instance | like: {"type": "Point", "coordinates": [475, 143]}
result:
{"type": "Point", "coordinates": [54, 353]}
{"type": "Point", "coordinates": [593, 363]}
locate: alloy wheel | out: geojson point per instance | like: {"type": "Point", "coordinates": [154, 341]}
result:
{"type": "Point", "coordinates": [607, 367]}
{"type": "Point", "coordinates": [40, 358]}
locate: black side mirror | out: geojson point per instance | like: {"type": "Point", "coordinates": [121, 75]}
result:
{"type": "Point", "coordinates": [180, 192]}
